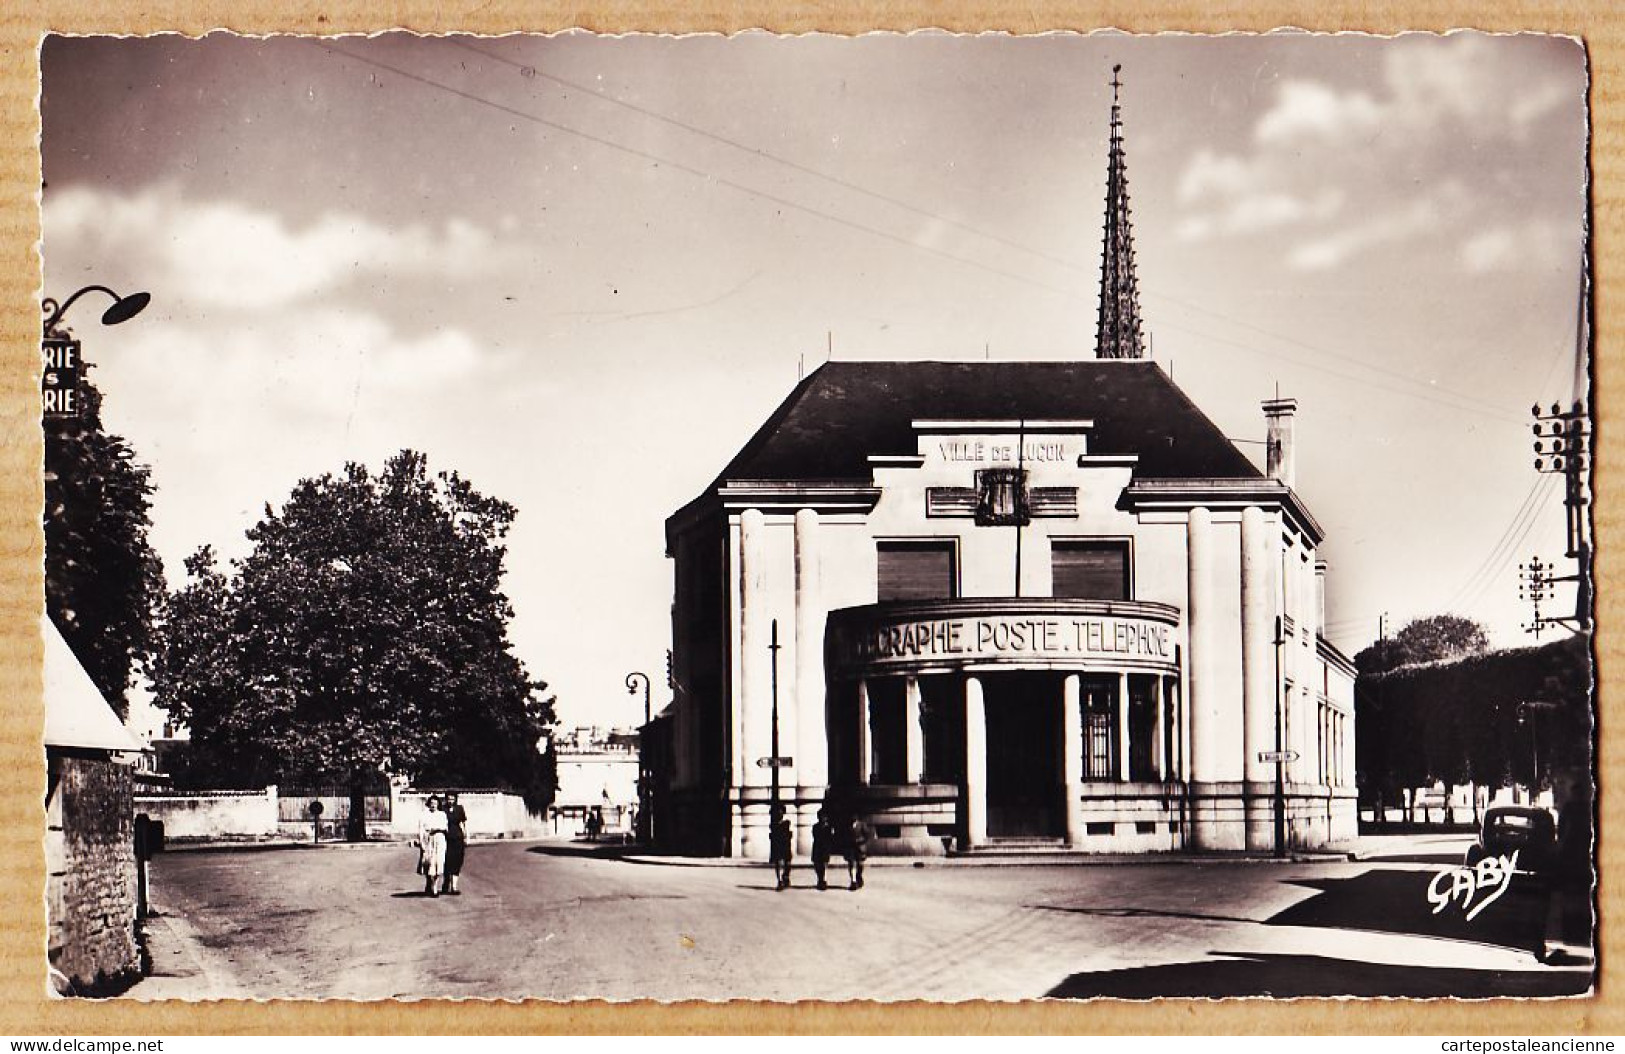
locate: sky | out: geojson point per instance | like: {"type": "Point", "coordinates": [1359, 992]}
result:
{"type": "Point", "coordinates": [581, 270]}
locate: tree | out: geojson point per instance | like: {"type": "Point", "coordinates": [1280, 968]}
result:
{"type": "Point", "coordinates": [1520, 715]}
{"type": "Point", "coordinates": [365, 633]}
{"type": "Point", "coordinates": [103, 580]}
{"type": "Point", "coordinates": [1431, 639]}
{"type": "Point", "coordinates": [1403, 743]}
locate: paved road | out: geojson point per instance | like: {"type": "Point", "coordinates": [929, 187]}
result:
{"type": "Point", "coordinates": [545, 920]}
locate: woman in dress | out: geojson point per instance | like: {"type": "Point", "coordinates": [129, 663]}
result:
{"type": "Point", "coordinates": [456, 843]}
{"type": "Point", "coordinates": [432, 842]}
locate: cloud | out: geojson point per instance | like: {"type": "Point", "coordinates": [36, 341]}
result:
{"type": "Point", "coordinates": [1308, 108]}
{"type": "Point", "coordinates": [1397, 224]}
{"type": "Point", "coordinates": [1490, 251]}
{"type": "Point", "coordinates": [224, 254]}
{"type": "Point", "coordinates": [1537, 243]}
{"type": "Point", "coordinates": [324, 364]}
{"type": "Point", "coordinates": [1435, 139]}
{"type": "Point", "coordinates": [1211, 175]}
{"type": "Point", "coordinates": [1262, 211]}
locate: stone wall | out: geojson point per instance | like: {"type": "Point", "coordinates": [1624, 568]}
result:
{"type": "Point", "coordinates": [491, 814]}
{"type": "Point", "coordinates": [225, 816]}
{"type": "Point", "coordinates": [213, 815]}
{"type": "Point", "coordinates": [91, 876]}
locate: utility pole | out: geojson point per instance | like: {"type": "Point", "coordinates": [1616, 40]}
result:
{"type": "Point", "coordinates": [1562, 446]}
{"type": "Point", "coordinates": [1021, 486]}
{"type": "Point", "coordinates": [774, 808]}
{"type": "Point", "coordinates": [1280, 748]}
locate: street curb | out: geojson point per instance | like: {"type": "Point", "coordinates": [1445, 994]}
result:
{"type": "Point", "coordinates": [986, 858]}
{"type": "Point", "coordinates": [270, 844]}
{"type": "Point", "coordinates": [976, 860]}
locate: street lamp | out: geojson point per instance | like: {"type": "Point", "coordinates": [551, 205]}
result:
{"type": "Point", "coordinates": [122, 309]}
{"type": "Point", "coordinates": [59, 353]}
{"type": "Point", "coordinates": [633, 680]}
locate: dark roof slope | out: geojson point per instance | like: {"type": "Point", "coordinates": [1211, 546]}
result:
{"type": "Point", "coordinates": [845, 411]}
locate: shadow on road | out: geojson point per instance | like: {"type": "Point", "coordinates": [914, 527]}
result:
{"type": "Point", "coordinates": [1295, 976]}
{"type": "Point", "coordinates": [626, 854]}
{"type": "Point", "coordinates": [1397, 902]}
{"type": "Point", "coordinates": [592, 850]}
{"type": "Point", "coordinates": [1143, 913]}
{"type": "Point", "coordinates": [1372, 902]}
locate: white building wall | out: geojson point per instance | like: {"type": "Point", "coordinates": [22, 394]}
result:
{"type": "Point", "coordinates": [1161, 573]}
{"type": "Point", "coordinates": [1225, 723]}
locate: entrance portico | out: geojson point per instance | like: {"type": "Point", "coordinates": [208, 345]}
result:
{"type": "Point", "coordinates": [1011, 708]}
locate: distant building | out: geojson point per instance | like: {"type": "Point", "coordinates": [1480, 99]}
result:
{"type": "Point", "coordinates": [597, 769]}
{"type": "Point", "coordinates": [1044, 603]}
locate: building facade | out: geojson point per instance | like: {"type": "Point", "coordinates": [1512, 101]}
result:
{"type": "Point", "coordinates": [984, 604]}
{"type": "Point", "coordinates": [597, 772]}
{"type": "Point", "coordinates": [90, 861]}
{"type": "Point", "coordinates": [1005, 603]}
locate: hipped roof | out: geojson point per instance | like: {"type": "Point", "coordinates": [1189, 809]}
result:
{"type": "Point", "coordinates": [76, 715]}
{"type": "Point", "coordinates": [845, 411]}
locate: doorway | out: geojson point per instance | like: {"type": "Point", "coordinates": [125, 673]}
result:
{"type": "Point", "coordinates": [1025, 796]}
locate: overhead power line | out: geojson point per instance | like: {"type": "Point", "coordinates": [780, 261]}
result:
{"type": "Point", "coordinates": [766, 155]}
{"type": "Point", "coordinates": [710, 177]}
{"type": "Point", "coordinates": [1425, 392]}
{"type": "Point", "coordinates": [1466, 402]}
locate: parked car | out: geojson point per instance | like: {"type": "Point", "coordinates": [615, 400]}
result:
{"type": "Point", "coordinates": [1529, 831]}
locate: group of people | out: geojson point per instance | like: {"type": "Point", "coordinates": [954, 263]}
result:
{"type": "Point", "coordinates": [442, 840]}
{"type": "Point", "coordinates": [849, 838]}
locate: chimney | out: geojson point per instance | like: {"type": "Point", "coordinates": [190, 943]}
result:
{"type": "Point", "coordinates": [1278, 414]}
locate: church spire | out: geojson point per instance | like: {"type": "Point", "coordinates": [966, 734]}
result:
{"type": "Point", "coordinates": [1118, 335]}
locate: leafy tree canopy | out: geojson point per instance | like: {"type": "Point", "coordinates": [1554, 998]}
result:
{"type": "Point", "coordinates": [1431, 639]}
{"type": "Point", "coordinates": [103, 580]}
{"type": "Point", "coordinates": [364, 633]}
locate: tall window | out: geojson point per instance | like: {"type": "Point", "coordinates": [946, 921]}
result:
{"type": "Point", "coordinates": [917, 571]}
{"type": "Point", "coordinates": [1099, 730]}
{"type": "Point", "coordinates": [1142, 728]}
{"type": "Point", "coordinates": [1090, 570]}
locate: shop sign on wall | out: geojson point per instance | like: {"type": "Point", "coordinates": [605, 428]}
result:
{"type": "Point", "coordinates": [59, 379]}
{"type": "Point", "coordinates": [1003, 638]}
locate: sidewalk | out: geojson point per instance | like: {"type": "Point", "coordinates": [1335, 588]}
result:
{"type": "Point", "coordinates": [182, 968]}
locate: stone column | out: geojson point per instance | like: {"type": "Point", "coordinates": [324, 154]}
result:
{"type": "Point", "coordinates": [1202, 661]}
{"type": "Point", "coordinates": [1178, 765]}
{"type": "Point", "coordinates": [1202, 657]}
{"type": "Point", "coordinates": [812, 738]}
{"type": "Point", "coordinates": [1072, 759]}
{"type": "Point", "coordinates": [1325, 745]}
{"type": "Point", "coordinates": [865, 756]}
{"type": "Point", "coordinates": [1159, 751]}
{"type": "Point", "coordinates": [1258, 675]}
{"type": "Point", "coordinates": [754, 711]}
{"type": "Point", "coordinates": [1122, 727]}
{"type": "Point", "coordinates": [1346, 748]}
{"type": "Point", "coordinates": [975, 762]}
{"type": "Point", "coordinates": [913, 733]}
